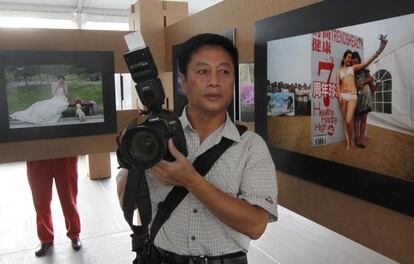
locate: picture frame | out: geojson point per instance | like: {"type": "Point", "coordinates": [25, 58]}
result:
{"type": "Point", "coordinates": [370, 184]}
{"type": "Point", "coordinates": [30, 81]}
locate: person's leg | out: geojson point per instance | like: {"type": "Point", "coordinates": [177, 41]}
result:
{"type": "Point", "coordinates": [343, 104]}
{"type": "Point", "coordinates": [363, 126]}
{"type": "Point", "coordinates": [357, 126]}
{"type": "Point", "coordinates": [66, 177]}
{"type": "Point", "coordinates": [40, 181]}
{"type": "Point", "coordinates": [350, 109]}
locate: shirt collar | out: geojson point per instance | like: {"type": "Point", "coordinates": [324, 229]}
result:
{"type": "Point", "coordinates": [227, 130]}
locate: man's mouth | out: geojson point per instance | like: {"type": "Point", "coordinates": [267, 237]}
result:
{"type": "Point", "coordinates": [212, 96]}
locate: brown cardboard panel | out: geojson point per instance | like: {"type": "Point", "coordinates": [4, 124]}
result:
{"type": "Point", "coordinates": [99, 166]}
{"type": "Point", "coordinates": [383, 230]}
{"type": "Point", "coordinates": [67, 39]}
{"type": "Point", "coordinates": [149, 16]}
{"type": "Point", "coordinates": [240, 14]}
{"type": "Point", "coordinates": [166, 79]}
{"type": "Point", "coordinates": [63, 147]}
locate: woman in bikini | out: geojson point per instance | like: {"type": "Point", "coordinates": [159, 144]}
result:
{"type": "Point", "coordinates": [347, 90]}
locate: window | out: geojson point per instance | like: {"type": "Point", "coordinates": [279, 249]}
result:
{"type": "Point", "coordinates": [382, 98]}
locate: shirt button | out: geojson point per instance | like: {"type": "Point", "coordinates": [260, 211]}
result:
{"type": "Point", "coordinates": [193, 238]}
{"type": "Point", "coordinates": [195, 211]}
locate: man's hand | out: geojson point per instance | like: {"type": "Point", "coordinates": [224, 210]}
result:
{"type": "Point", "coordinates": [178, 173]}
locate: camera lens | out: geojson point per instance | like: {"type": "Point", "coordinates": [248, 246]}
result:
{"type": "Point", "coordinates": [147, 147]}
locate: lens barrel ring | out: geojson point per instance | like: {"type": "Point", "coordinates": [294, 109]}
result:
{"type": "Point", "coordinates": [145, 146]}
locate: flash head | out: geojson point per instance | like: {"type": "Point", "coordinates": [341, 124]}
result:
{"type": "Point", "coordinates": [145, 74]}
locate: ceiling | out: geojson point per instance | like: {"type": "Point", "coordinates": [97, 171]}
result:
{"type": "Point", "coordinates": [65, 5]}
{"type": "Point", "coordinates": [88, 4]}
{"type": "Point", "coordinates": [111, 9]}
{"type": "Point", "coordinates": [104, 10]}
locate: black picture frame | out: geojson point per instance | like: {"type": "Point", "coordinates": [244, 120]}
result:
{"type": "Point", "coordinates": [377, 188]}
{"type": "Point", "coordinates": [103, 60]}
{"type": "Point", "coordinates": [233, 108]}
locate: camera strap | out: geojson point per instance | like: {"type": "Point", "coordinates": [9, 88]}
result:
{"type": "Point", "coordinates": [202, 164]}
{"type": "Point", "coordinates": [137, 195]}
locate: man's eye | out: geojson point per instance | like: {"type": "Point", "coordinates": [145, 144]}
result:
{"type": "Point", "coordinates": [224, 72]}
{"type": "Point", "coordinates": [202, 71]}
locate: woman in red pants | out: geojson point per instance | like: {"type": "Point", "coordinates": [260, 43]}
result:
{"type": "Point", "coordinates": [65, 173]}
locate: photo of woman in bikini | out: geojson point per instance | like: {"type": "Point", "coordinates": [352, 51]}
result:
{"type": "Point", "coordinates": [347, 90]}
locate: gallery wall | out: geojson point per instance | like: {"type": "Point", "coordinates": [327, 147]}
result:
{"type": "Point", "coordinates": [383, 230]}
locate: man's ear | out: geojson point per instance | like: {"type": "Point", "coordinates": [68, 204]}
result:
{"type": "Point", "coordinates": [182, 81]}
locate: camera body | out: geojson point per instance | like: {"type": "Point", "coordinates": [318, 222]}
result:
{"type": "Point", "coordinates": [143, 145]}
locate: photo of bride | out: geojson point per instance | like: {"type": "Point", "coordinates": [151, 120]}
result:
{"type": "Point", "coordinates": [53, 95]}
{"type": "Point", "coordinates": [46, 111]}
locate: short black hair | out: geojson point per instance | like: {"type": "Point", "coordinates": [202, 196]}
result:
{"type": "Point", "coordinates": [193, 44]}
{"type": "Point", "coordinates": [355, 55]}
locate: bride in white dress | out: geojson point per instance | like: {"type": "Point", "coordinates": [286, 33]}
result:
{"type": "Point", "coordinates": [46, 111]}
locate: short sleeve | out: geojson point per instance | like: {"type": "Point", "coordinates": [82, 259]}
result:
{"type": "Point", "coordinates": [259, 182]}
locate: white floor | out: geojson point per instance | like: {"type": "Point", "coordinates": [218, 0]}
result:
{"type": "Point", "coordinates": [105, 235]}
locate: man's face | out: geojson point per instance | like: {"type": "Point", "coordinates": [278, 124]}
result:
{"type": "Point", "coordinates": [210, 79]}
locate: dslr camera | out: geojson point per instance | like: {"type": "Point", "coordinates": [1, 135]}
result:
{"type": "Point", "coordinates": [143, 145]}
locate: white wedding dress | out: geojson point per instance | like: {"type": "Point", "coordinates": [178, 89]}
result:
{"type": "Point", "coordinates": [46, 111]}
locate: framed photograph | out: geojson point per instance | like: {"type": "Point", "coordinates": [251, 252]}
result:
{"type": "Point", "coordinates": [345, 85]}
{"type": "Point", "coordinates": [246, 92]}
{"type": "Point", "coordinates": [52, 94]}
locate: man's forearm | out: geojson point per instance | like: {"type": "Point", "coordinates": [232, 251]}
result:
{"type": "Point", "coordinates": [121, 181]}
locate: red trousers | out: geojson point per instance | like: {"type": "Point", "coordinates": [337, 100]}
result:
{"type": "Point", "coordinates": [41, 174]}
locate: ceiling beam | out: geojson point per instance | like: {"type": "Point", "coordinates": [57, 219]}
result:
{"type": "Point", "coordinates": [30, 8]}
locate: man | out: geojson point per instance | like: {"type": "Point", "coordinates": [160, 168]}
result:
{"type": "Point", "coordinates": [40, 174]}
{"type": "Point", "coordinates": [234, 201]}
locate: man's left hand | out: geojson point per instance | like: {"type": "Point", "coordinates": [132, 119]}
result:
{"type": "Point", "coordinates": [178, 173]}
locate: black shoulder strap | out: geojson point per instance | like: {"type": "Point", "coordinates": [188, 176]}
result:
{"type": "Point", "coordinates": [137, 194]}
{"type": "Point", "coordinates": [202, 164]}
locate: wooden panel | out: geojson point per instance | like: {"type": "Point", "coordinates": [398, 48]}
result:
{"type": "Point", "coordinates": [240, 14]}
{"type": "Point", "coordinates": [67, 39]}
{"type": "Point", "coordinates": [63, 147]}
{"type": "Point", "coordinates": [383, 230]}
{"type": "Point", "coordinates": [149, 18]}
{"type": "Point", "coordinates": [99, 166]}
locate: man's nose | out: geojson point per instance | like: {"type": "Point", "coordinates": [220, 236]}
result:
{"type": "Point", "coordinates": [214, 80]}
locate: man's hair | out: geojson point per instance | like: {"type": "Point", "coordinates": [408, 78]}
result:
{"type": "Point", "coordinates": [193, 44]}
